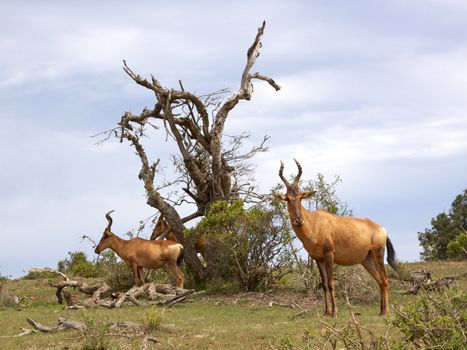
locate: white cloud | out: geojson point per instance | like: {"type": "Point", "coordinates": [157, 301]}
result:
{"type": "Point", "coordinates": [374, 92]}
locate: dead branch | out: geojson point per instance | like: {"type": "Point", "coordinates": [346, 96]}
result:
{"type": "Point", "coordinates": [95, 291]}
{"type": "Point", "coordinates": [356, 324]}
{"type": "Point", "coordinates": [25, 331]}
{"type": "Point", "coordinates": [146, 339]}
{"type": "Point", "coordinates": [290, 305]}
{"type": "Point", "coordinates": [63, 324]}
{"type": "Point", "coordinates": [156, 293]}
{"type": "Point", "coordinates": [422, 280]}
{"type": "Point", "coordinates": [177, 298]}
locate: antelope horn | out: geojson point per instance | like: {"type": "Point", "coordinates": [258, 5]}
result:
{"type": "Point", "coordinates": [297, 178]}
{"type": "Point", "coordinates": [281, 175]}
{"type": "Point", "coordinates": [109, 219]}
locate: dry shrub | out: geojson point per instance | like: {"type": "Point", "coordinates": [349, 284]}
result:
{"type": "Point", "coordinates": [356, 283]}
{"type": "Point", "coordinates": [6, 299]}
{"type": "Point", "coordinates": [96, 333]}
{"type": "Point", "coordinates": [351, 336]}
{"type": "Point", "coordinates": [352, 281]}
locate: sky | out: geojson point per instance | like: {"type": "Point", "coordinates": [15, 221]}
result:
{"type": "Point", "coordinates": [374, 91]}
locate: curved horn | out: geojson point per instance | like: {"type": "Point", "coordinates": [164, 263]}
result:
{"type": "Point", "coordinates": [281, 175]}
{"type": "Point", "coordinates": [297, 178]}
{"type": "Point", "coordinates": [109, 219]}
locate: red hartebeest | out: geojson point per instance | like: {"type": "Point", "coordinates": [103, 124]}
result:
{"type": "Point", "coordinates": [343, 240]}
{"type": "Point", "coordinates": [142, 253]}
{"type": "Point", "coordinates": [163, 227]}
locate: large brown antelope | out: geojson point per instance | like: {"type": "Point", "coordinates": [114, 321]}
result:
{"type": "Point", "coordinates": [343, 240]}
{"type": "Point", "coordinates": [142, 253]}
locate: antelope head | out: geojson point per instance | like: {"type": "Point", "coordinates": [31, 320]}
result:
{"type": "Point", "coordinates": [105, 241]}
{"type": "Point", "coordinates": [160, 228]}
{"type": "Point", "coordinates": [294, 196]}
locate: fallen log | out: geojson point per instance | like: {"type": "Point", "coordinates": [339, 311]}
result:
{"type": "Point", "coordinates": [95, 291]}
{"type": "Point", "coordinates": [159, 294]}
{"type": "Point", "coordinates": [156, 293]}
{"type": "Point", "coordinates": [63, 324]}
{"type": "Point", "coordinates": [66, 324]}
{"type": "Point", "coordinates": [176, 298]}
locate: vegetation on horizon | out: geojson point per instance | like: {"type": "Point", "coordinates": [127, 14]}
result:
{"type": "Point", "coordinates": [447, 236]}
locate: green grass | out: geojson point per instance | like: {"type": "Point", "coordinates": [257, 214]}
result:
{"type": "Point", "coordinates": [204, 321]}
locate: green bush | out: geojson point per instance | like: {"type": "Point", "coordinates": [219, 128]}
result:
{"type": "Point", "coordinates": [433, 320]}
{"type": "Point", "coordinates": [251, 246]}
{"type": "Point", "coordinates": [428, 321]}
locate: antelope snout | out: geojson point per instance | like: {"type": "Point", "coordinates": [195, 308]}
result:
{"type": "Point", "coordinates": [97, 251]}
{"type": "Point", "coordinates": [298, 222]}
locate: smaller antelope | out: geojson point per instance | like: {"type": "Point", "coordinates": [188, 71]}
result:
{"type": "Point", "coordinates": [142, 253]}
{"type": "Point", "coordinates": [162, 226]}
{"type": "Point", "coordinates": [331, 239]}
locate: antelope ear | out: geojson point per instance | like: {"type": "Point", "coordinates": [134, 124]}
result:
{"type": "Point", "coordinates": [279, 196]}
{"type": "Point", "coordinates": [308, 194]}
{"type": "Point", "coordinates": [107, 233]}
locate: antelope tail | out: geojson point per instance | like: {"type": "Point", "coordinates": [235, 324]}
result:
{"type": "Point", "coordinates": [180, 256]}
{"type": "Point", "coordinates": [392, 256]}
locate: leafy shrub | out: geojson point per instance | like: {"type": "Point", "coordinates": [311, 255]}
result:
{"type": "Point", "coordinates": [251, 246]}
{"type": "Point", "coordinates": [430, 321]}
{"type": "Point", "coordinates": [433, 321]}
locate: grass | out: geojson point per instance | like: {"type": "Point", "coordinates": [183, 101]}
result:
{"type": "Point", "coordinates": [204, 321]}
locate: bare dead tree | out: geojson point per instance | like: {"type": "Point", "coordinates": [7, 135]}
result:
{"type": "Point", "coordinates": [208, 169]}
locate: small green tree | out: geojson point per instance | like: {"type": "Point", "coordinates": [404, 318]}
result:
{"type": "Point", "coordinates": [445, 227]}
{"type": "Point", "coordinates": [326, 195]}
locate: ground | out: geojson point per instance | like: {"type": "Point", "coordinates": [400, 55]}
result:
{"type": "Point", "coordinates": [273, 319]}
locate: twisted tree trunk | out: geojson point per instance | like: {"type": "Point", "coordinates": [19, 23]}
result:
{"type": "Point", "coordinates": [195, 123]}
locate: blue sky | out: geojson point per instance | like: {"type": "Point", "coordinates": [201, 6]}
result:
{"type": "Point", "coordinates": [374, 91]}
